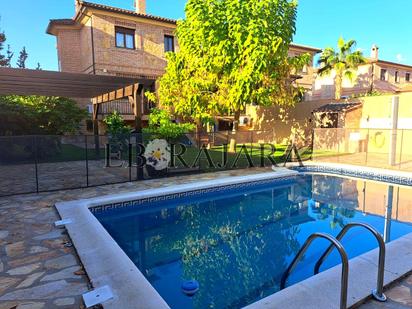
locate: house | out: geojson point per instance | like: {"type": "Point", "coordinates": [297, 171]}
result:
{"type": "Point", "coordinates": [375, 75]}
{"type": "Point", "coordinates": [106, 40]}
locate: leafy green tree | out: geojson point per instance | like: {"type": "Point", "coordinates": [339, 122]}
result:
{"type": "Point", "coordinates": [344, 62]}
{"type": "Point", "coordinates": [35, 115]}
{"type": "Point", "coordinates": [21, 61]}
{"type": "Point", "coordinates": [232, 53]}
{"type": "Point", "coordinates": [162, 126]}
{"type": "Point", "coordinates": [116, 124]}
{"type": "Point", "coordinates": [30, 115]}
{"type": "Point", "coordinates": [118, 130]}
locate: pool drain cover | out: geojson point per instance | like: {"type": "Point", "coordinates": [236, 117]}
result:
{"type": "Point", "coordinates": [97, 296]}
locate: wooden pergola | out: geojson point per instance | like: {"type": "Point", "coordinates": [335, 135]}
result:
{"type": "Point", "coordinates": [99, 88]}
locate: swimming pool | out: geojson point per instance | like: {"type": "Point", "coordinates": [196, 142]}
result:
{"type": "Point", "coordinates": [237, 241]}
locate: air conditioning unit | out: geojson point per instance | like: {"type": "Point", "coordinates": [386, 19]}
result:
{"type": "Point", "coordinates": [244, 121]}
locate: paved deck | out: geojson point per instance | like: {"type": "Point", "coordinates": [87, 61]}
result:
{"type": "Point", "coordinates": [399, 296]}
{"type": "Point", "coordinates": [39, 269]}
{"type": "Point", "coordinates": [380, 160]}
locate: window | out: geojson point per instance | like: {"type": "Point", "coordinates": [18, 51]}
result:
{"type": "Point", "coordinates": [408, 77]}
{"type": "Point", "coordinates": [169, 43]}
{"type": "Point", "coordinates": [396, 77]}
{"type": "Point", "coordinates": [383, 74]}
{"type": "Point", "coordinates": [125, 38]}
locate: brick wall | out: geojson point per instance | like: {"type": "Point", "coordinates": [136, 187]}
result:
{"type": "Point", "coordinates": [148, 58]}
{"type": "Point", "coordinates": [68, 49]}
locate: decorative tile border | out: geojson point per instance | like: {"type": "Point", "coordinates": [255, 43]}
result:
{"type": "Point", "coordinates": [191, 193]}
{"type": "Point", "coordinates": [359, 172]}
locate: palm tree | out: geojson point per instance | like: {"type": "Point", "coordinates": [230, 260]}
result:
{"type": "Point", "coordinates": [344, 62]}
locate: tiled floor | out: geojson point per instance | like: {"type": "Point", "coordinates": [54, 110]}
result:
{"type": "Point", "coordinates": [39, 268]}
{"type": "Point", "coordinates": [380, 160]}
{"type": "Point", "coordinates": [399, 296]}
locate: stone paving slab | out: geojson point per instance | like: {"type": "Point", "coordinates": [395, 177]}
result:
{"type": "Point", "coordinates": [40, 270]}
{"type": "Point", "coordinates": [38, 266]}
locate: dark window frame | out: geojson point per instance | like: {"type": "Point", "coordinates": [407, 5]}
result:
{"type": "Point", "coordinates": [125, 32]}
{"type": "Point", "coordinates": [384, 72]}
{"type": "Point", "coordinates": [166, 45]}
{"type": "Point", "coordinates": [407, 77]}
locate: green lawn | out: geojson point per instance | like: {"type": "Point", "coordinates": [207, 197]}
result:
{"type": "Point", "coordinates": [69, 152]}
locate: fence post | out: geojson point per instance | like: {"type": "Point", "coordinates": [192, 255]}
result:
{"type": "Point", "coordinates": [367, 147]}
{"type": "Point", "coordinates": [251, 144]}
{"type": "Point", "coordinates": [87, 161]}
{"type": "Point", "coordinates": [312, 144]}
{"type": "Point", "coordinates": [36, 162]}
{"type": "Point", "coordinates": [139, 167]}
{"type": "Point", "coordinates": [338, 141]}
{"type": "Point", "coordinates": [130, 159]}
{"type": "Point", "coordinates": [401, 150]}
{"type": "Point", "coordinates": [199, 145]}
{"type": "Point", "coordinates": [394, 131]}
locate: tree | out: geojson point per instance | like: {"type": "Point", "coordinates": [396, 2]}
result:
{"type": "Point", "coordinates": [10, 55]}
{"type": "Point", "coordinates": [161, 126]}
{"type": "Point", "coordinates": [343, 61]}
{"type": "Point", "coordinates": [118, 130]}
{"type": "Point", "coordinates": [21, 61]}
{"type": "Point", "coordinates": [4, 61]}
{"type": "Point", "coordinates": [31, 115]}
{"type": "Point", "coordinates": [232, 53]}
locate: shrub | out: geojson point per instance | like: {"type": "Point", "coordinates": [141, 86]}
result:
{"type": "Point", "coordinates": [162, 126]}
{"type": "Point", "coordinates": [118, 131]}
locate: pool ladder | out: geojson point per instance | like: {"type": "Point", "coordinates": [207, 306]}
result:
{"type": "Point", "coordinates": [335, 243]}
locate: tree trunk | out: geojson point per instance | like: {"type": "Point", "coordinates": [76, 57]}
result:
{"type": "Point", "coordinates": [338, 86]}
{"type": "Point", "coordinates": [209, 133]}
{"type": "Point", "coordinates": [232, 146]}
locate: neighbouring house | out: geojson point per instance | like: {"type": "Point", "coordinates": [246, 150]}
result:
{"type": "Point", "coordinates": [376, 75]}
{"type": "Point", "coordinates": [107, 40]}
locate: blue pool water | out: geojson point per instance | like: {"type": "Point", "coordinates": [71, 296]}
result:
{"type": "Point", "coordinates": [238, 243]}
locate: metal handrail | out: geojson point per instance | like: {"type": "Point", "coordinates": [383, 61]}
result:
{"type": "Point", "coordinates": [345, 264]}
{"type": "Point", "coordinates": [378, 292]}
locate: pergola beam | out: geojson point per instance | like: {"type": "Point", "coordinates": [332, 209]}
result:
{"type": "Point", "coordinates": [116, 95]}
{"type": "Point", "coordinates": [49, 83]}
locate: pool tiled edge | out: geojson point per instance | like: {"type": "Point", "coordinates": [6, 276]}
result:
{"type": "Point", "coordinates": [370, 173]}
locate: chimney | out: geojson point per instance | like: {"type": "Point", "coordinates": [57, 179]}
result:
{"type": "Point", "coordinates": [140, 6]}
{"type": "Point", "coordinates": [375, 52]}
{"type": "Point", "coordinates": [76, 5]}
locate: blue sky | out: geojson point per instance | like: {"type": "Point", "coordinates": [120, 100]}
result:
{"type": "Point", "coordinates": [319, 24]}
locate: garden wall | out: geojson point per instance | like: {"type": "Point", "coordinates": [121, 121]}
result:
{"type": "Point", "coordinates": [285, 121]}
